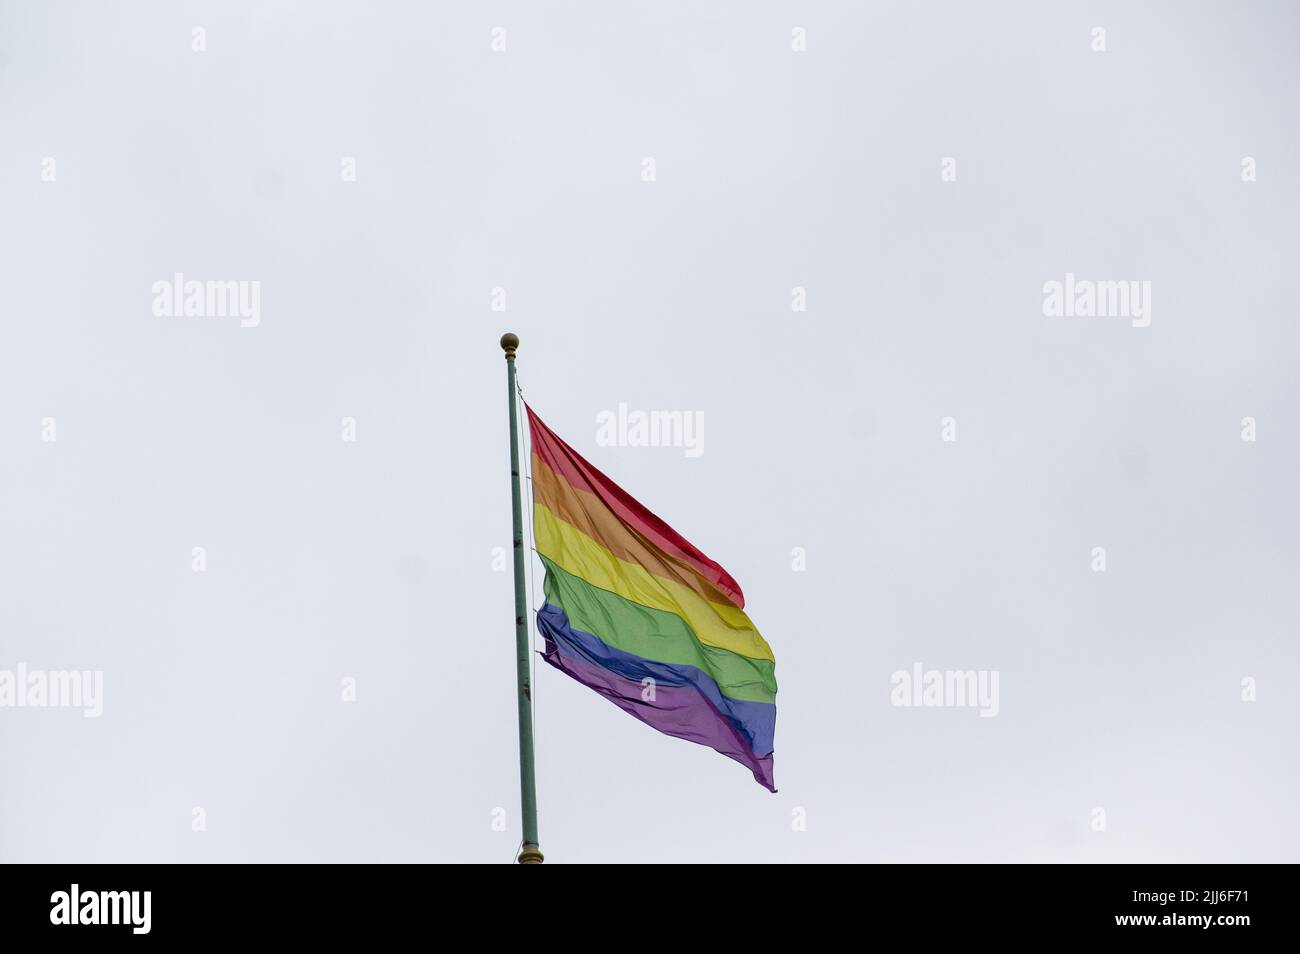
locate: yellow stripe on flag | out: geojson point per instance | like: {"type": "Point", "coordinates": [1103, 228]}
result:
{"type": "Point", "coordinates": [715, 624]}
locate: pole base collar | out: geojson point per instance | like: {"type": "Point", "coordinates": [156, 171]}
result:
{"type": "Point", "coordinates": [531, 855]}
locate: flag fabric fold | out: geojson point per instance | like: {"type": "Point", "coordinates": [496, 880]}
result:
{"type": "Point", "coordinates": [641, 616]}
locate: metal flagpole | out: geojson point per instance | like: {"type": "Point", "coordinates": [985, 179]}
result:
{"type": "Point", "coordinates": [530, 854]}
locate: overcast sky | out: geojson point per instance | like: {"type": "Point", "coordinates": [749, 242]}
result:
{"type": "Point", "coordinates": [379, 169]}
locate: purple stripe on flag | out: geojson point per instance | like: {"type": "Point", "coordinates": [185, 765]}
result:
{"type": "Point", "coordinates": [679, 711]}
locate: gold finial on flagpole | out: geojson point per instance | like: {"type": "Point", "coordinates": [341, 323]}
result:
{"type": "Point", "coordinates": [509, 342]}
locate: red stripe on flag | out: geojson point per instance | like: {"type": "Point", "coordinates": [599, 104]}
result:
{"type": "Point", "coordinates": [574, 468]}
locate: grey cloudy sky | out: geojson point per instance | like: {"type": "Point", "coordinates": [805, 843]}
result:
{"type": "Point", "coordinates": [523, 169]}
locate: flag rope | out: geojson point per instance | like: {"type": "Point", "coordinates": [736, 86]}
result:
{"type": "Point", "coordinates": [530, 568]}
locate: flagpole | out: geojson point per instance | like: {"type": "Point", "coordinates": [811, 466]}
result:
{"type": "Point", "coordinates": [530, 854]}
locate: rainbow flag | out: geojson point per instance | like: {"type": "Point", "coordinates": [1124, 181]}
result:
{"type": "Point", "coordinates": [637, 613]}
